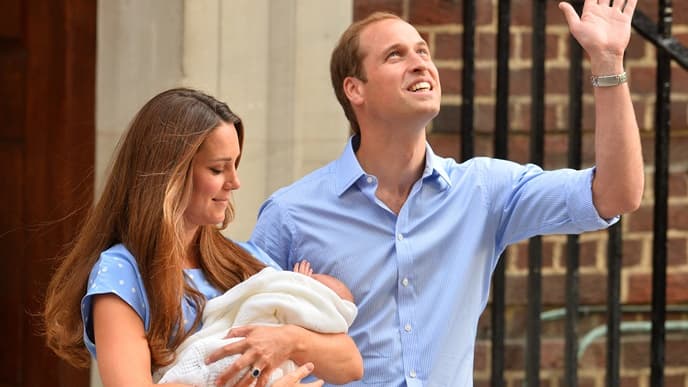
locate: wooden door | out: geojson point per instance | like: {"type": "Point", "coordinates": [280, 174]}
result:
{"type": "Point", "coordinates": [47, 104]}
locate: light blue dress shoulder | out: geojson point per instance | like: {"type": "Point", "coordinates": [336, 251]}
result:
{"type": "Point", "coordinates": [116, 272]}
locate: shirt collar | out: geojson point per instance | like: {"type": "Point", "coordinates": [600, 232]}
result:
{"type": "Point", "coordinates": [348, 170]}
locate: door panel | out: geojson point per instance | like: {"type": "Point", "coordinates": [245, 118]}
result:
{"type": "Point", "coordinates": [47, 137]}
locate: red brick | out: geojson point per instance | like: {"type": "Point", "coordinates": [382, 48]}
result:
{"type": "Point", "coordinates": [557, 81]}
{"type": "Point", "coordinates": [593, 289]}
{"type": "Point", "coordinates": [445, 144]}
{"type": "Point", "coordinates": [553, 289]}
{"type": "Point", "coordinates": [448, 46]}
{"type": "Point", "coordinates": [519, 82]}
{"type": "Point", "coordinates": [547, 251]}
{"type": "Point", "coordinates": [676, 354]}
{"type": "Point", "coordinates": [514, 356]}
{"type": "Point", "coordinates": [451, 81]}
{"type": "Point", "coordinates": [632, 253]}
{"type": "Point", "coordinates": [552, 354]}
{"type": "Point", "coordinates": [478, 382]}
{"type": "Point", "coordinates": [517, 290]}
{"type": "Point", "coordinates": [550, 116]}
{"type": "Point", "coordinates": [485, 83]}
{"type": "Point", "coordinates": [675, 380]}
{"type": "Point", "coordinates": [482, 352]}
{"type": "Point", "coordinates": [484, 118]}
{"type": "Point", "coordinates": [556, 150]}
{"type": "Point", "coordinates": [678, 184]}
{"type": "Point", "coordinates": [635, 353]}
{"type": "Point", "coordinates": [642, 79]}
{"type": "Point", "coordinates": [583, 381]}
{"type": "Point", "coordinates": [680, 12]}
{"type": "Point", "coordinates": [640, 288]}
{"type": "Point", "coordinates": [448, 120]}
{"type": "Point", "coordinates": [486, 46]}
{"type": "Point", "coordinates": [682, 38]}
{"type": "Point", "coordinates": [483, 13]}
{"type": "Point", "coordinates": [630, 381]}
{"type": "Point", "coordinates": [638, 48]}
{"type": "Point", "coordinates": [522, 13]}
{"type": "Point", "coordinates": [678, 115]}
{"type": "Point", "coordinates": [551, 46]}
{"type": "Point", "coordinates": [588, 254]}
{"type": "Point", "coordinates": [678, 217]}
{"type": "Point", "coordinates": [364, 8]}
{"type": "Point", "coordinates": [677, 253]}
{"type": "Point", "coordinates": [519, 148]}
{"type": "Point", "coordinates": [641, 219]}
{"type": "Point", "coordinates": [431, 12]}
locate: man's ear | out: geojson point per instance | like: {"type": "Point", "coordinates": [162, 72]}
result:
{"type": "Point", "coordinates": [354, 90]}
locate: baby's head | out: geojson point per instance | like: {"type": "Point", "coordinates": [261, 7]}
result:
{"type": "Point", "coordinates": [336, 285]}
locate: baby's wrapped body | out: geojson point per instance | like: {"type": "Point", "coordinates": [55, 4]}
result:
{"type": "Point", "coordinates": [270, 297]}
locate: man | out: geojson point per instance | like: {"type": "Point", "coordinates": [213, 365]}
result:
{"type": "Point", "coordinates": [416, 236]}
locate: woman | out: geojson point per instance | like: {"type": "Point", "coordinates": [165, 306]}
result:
{"type": "Point", "coordinates": [151, 253]}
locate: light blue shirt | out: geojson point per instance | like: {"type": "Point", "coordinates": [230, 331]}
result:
{"type": "Point", "coordinates": [420, 278]}
{"type": "Point", "coordinates": [116, 272]}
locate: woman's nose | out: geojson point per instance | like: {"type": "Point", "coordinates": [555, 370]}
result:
{"type": "Point", "coordinates": [232, 182]}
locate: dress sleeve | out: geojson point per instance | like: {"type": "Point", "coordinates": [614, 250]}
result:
{"type": "Point", "coordinates": [117, 274]}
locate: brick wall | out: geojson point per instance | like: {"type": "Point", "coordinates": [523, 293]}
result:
{"type": "Point", "coordinates": [439, 21]}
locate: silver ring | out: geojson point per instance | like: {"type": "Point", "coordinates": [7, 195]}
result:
{"type": "Point", "coordinates": [255, 372]}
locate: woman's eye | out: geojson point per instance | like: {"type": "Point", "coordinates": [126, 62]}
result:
{"type": "Point", "coordinates": [215, 171]}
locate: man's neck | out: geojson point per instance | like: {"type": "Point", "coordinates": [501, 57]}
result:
{"type": "Point", "coordinates": [397, 159]}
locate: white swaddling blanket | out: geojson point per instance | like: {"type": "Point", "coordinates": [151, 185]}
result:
{"type": "Point", "coordinates": [269, 297]}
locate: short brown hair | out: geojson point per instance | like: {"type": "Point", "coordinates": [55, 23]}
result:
{"type": "Point", "coordinates": [346, 61]}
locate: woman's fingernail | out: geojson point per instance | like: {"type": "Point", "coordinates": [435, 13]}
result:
{"type": "Point", "coordinates": [310, 367]}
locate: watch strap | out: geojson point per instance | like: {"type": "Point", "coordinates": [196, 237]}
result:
{"type": "Point", "coordinates": [609, 80]}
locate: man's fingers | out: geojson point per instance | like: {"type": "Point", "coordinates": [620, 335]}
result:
{"type": "Point", "coordinates": [630, 7]}
{"type": "Point", "coordinates": [569, 13]}
{"type": "Point", "coordinates": [303, 371]}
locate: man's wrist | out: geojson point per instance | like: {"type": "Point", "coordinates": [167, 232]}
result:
{"type": "Point", "coordinates": [609, 80]}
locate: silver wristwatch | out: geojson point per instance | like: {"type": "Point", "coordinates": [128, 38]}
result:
{"type": "Point", "coordinates": [609, 80]}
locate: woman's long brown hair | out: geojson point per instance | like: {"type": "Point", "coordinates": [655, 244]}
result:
{"type": "Point", "coordinates": [142, 206]}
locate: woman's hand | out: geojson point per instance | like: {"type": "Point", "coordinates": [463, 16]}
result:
{"type": "Point", "coordinates": [262, 349]}
{"type": "Point", "coordinates": [293, 378]}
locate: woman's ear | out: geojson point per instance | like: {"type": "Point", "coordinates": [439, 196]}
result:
{"type": "Point", "coordinates": [354, 90]}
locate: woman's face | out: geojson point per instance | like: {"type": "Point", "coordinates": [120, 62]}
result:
{"type": "Point", "coordinates": [214, 177]}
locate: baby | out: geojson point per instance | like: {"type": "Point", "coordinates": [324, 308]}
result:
{"type": "Point", "coordinates": [317, 302]}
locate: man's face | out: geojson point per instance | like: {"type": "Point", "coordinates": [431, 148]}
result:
{"type": "Point", "coordinates": [402, 81]}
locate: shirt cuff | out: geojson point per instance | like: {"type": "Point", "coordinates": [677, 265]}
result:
{"type": "Point", "coordinates": [580, 203]}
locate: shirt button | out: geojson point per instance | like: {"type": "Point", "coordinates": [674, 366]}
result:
{"type": "Point", "coordinates": [369, 179]}
{"type": "Point", "coordinates": [407, 327]}
{"type": "Point", "coordinates": [405, 282]}
{"type": "Point", "coordinates": [400, 237]}
{"type": "Point", "coordinates": [412, 373]}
